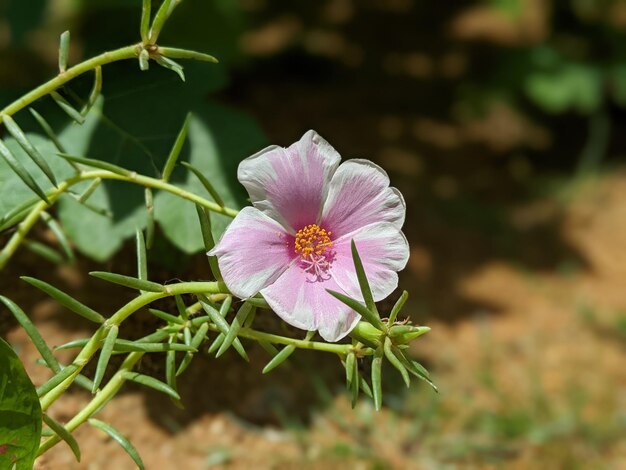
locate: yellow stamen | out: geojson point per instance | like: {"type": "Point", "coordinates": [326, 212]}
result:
{"type": "Point", "coordinates": [312, 239]}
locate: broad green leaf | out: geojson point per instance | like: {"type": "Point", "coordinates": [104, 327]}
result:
{"type": "Point", "coordinates": [20, 413]}
{"type": "Point", "coordinates": [133, 125]}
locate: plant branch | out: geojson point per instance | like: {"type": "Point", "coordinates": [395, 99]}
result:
{"type": "Point", "coordinates": [27, 224]}
{"type": "Point", "coordinates": [128, 52]}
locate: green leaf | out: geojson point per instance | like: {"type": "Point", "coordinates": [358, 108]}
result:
{"type": "Point", "coordinates": [128, 281]}
{"type": "Point", "coordinates": [33, 333]}
{"type": "Point", "coordinates": [171, 65]}
{"type": "Point", "coordinates": [13, 191]}
{"type": "Point", "coordinates": [28, 147]}
{"type": "Point", "coordinates": [152, 383]}
{"type": "Point", "coordinates": [279, 358]}
{"type": "Point", "coordinates": [366, 291]}
{"type": "Point", "coordinates": [64, 434]}
{"type": "Point", "coordinates": [67, 107]}
{"type": "Point", "coordinates": [95, 91]}
{"type": "Point", "coordinates": [205, 182]}
{"type": "Point", "coordinates": [166, 316]}
{"type": "Point", "coordinates": [223, 326]}
{"type": "Point", "coordinates": [128, 127]}
{"type": "Point", "coordinates": [64, 50]}
{"type": "Point", "coordinates": [162, 14]}
{"type": "Point", "coordinates": [209, 242]}
{"type": "Point", "coordinates": [58, 232]}
{"type": "Point", "coordinates": [124, 345]}
{"type": "Point", "coordinates": [234, 328]}
{"type": "Point", "coordinates": [92, 162]}
{"type": "Point", "coordinates": [150, 219]}
{"type": "Point", "coordinates": [20, 413]}
{"type": "Point", "coordinates": [358, 307]}
{"type": "Point", "coordinates": [65, 300]}
{"type": "Point", "coordinates": [57, 378]}
{"type": "Point", "coordinates": [144, 28]}
{"type": "Point", "coordinates": [176, 149]}
{"type": "Point", "coordinates": [142, 257]}
{"type": "Point", "coordinates": [44, 251]}
{"type": "Point", "coordinates": [105, 355]}
{"type": "Point", "coordinates": [120, 439]}
{"type": "Point", "coordinates": [21, 172]}
{"type": "Point", "coordinates": [391, 357]}
{"type": "Point", "coordinates": [377, 389]}
{"type": "Point", "coordinates": [397, 308]}
{"type": "Point", "coordinates": [47, 128]}
{"type": "Point", "coordinates": [196, 341]}
{"type": "Point", "coordinates": [174, 53]}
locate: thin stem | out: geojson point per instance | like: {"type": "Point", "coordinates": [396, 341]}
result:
{"type": "Point", "coordinates": [27, 224]}
{"type": "Point", "coordinates": [131, 307]}
{"type": "Point", "coordinates": [104, 395]}
{"type": "Point", "coordinates": [128, 52]}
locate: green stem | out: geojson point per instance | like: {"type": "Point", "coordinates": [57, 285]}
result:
{"type": "Point", "coordinates": [128, 52]}
{"type": "Point", "coordinates": [131, 307]}
{"type": "Point", "coordinates": [103, 396]}
{"type": "Point", "coordinates": [27, 224]}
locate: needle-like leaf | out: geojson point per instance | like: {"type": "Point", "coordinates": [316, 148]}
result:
{"type": "Point", "coordinates": [64, 51]}
{"type": "Point", "coordinates": [96, 164]}
{"type": "Point", "coordinates": [120, 439]}
{"type": "Point", "coordinates": [358, 307]}
{"type": "Point", "coordinates": [166, 316]}
{"type": "Point", "coordinates": [205, 182]}
{"type": "Point", "coordinates": [64, 434]}
{"type": "Point", "coordinates": [128, 281]}
{"type": "Point", "coordinates": [235, 326]}
{"type": "Point", "coordinates": [67, 107]}
{"type": "Point", "coordinates": [391, 357]}
{"type": "Point", "coordinates": [397, 307]}
{"type": "Point", "coordinates": [223, 326]}
{"type": "Point", "coordinates": [33, 333]}
{"type": "Point", "coordinates": [65, 300]}
{"type": "Point", "coordinates": [279, 358]}
{"type": "Point", "coordinates": [176, 149]}
{"type": "Point", "coordinates": [150, 221]}
{"type": "Point", "coordinates": [47, 128]}
{"type": "Point", "coordinates": [366, 291]}
{"type": "Point", "coordinates": [105, 355]}
{"type": "Point", "coordinates": [142, 257]}
{"type": "Point", "coordinates": [58, 232]}
{"type": "Point", "coordinates": [28, 147]}
{"type": "Point", "coordinates": [171, 65]}
{"type": "Point", "coordinates": [144, 28]}
{"type": "Point", "coordinates": [209, 242]}
{"type": "Point", "coordinates": [196, 341]}
{"type": "Point", "coordinates": [21, 172]}
{"type": "Point", "coordinates": [56, 379]}
{"type": "Point", "coordinates": [152, 383]}
{"type": "Point", "coordinates": [377, 389]}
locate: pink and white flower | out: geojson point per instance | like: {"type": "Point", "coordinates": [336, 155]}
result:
{"type": "Point", "coordinates": [294, 243]}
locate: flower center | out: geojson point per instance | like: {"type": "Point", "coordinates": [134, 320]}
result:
{"type": "Point", "coordinates": [312, 240]}
{"type": "Point", "coordinates": [312, 244]}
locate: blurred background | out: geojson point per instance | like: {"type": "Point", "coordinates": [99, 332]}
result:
{"type": "Point", "coordinates": [501, 121]}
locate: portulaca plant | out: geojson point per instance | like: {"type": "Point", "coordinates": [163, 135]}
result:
{"type": "Point", "coordinates": [320, 245]}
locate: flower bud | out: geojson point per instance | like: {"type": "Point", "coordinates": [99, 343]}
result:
{"type": "Point", "coordinates": [367, 334]}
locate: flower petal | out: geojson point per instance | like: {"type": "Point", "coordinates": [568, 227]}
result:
{"type": "Point", "coordinates": [307, 305]}
{"type": "Point", "coordinates": [252, 253]}
{"type": "Point", "coordinates": [383, 249]}
{"type": "Point", "coordinates": [359, 195]}
{"type": "Point", "coordinates": [290, 184]}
